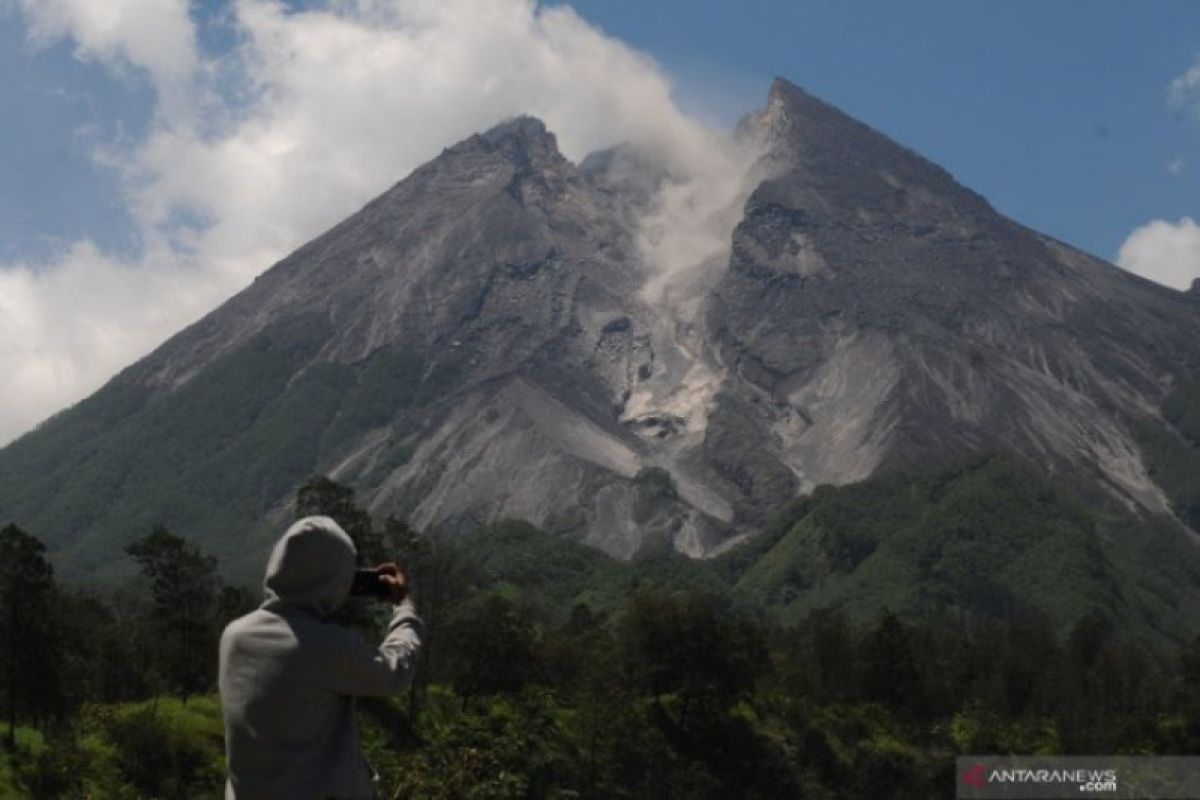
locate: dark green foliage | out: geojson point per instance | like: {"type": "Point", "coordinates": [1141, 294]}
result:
{"type": "Point", "coordinates": [512, 748]}
{"type": "Point", "coordinates": [240, 437]}
{"type": "Point", "coordinates": [886, 666]}
{"type": "Point", "coordinates": [1173, 451]}
{"type": "Point", "coordinates": [827, 641]}
{"type": "Point", "coordinates": [551, 571]}
{"type": "Point", "coordinates": [212, 456]}
{"type": "Point", "coordinates": [491, 644]}
{"type": "Point", "coordinates": [687, 648]}
{"type": "Point", "coordinates": [441, 579]}
{"type": "Point", "coordinates": [235, 601]}
{"type": "Point", "coordinates": [320, 496]}
{"type": "Point", "coordinates": [158, 748]}
{"type": "Point", "coordinates": [991, 538]}
{"type": "Point", "coordinates": [30, 659]}
{"type": "Point", "coordinates": [156, 758]}
{"type": "Point", "coordinates": [388, 380]}
{"type": "Point", "coordinates": [86, 655]}
{"type": "Point", "coordinates": [551, 670]}
{"type": "Point", "coordinates": [678, 694]}
{"type": "Point", "coordinates": [385, 384]}
{"type": "Point", "coordinates": [555, 573]}
{"type": "Point", "coordinates": [58, 769]}
{"type": "Point", "coordinates": [183, 613]}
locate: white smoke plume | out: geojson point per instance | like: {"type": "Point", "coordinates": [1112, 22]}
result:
{"type": "Point", "coordinates": [685, 236]}
{"type": "Point", "coordinates": [301, 121]}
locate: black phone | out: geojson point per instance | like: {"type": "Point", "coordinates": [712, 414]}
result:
{"type": "Point", "coordinates": [369, 583]}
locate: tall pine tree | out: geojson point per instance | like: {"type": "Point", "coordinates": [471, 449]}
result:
{"type": "Point", "coordinates": [30, 663]}
{"type": "Point", "coordinates": [183, 614]}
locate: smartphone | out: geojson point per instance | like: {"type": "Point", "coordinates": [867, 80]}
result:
{"type": "Point", "coordinates": [369, 583]}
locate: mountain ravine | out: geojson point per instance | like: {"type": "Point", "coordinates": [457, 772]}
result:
{"type": "Point", "coordinates": [477, 342]}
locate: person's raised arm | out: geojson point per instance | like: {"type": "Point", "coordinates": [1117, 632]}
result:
{"type": "Point", "coordinates": [355, 668]}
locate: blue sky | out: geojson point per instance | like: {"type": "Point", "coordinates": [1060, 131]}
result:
{"type": "Point", "coordinates": [1055, 111]}
{"type": "Point", "coordinates": [158, 153]}
{"type": "Point", "coordinates": [51, 188]}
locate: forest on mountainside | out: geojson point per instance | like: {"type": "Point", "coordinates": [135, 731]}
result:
{"type": "Point", "coordinates": [859, 643]}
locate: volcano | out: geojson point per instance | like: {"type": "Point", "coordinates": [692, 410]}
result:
{"type": "Point", "coordinates": [481, 341]}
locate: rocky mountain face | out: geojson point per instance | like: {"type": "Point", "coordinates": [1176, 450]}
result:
{"type": "Point", "coordinates": [478, 342]}
{"type": "Point", "coordinates": [885, 316]}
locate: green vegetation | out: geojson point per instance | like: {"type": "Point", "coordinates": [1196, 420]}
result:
{"type": "Point", "coordinates": [1173, 451]}
{"type": "Point", "coordinates": [152, 748]}
{"type": "Point", "coordinates": [182, 615]}
{"type": "Point", "coordinates": [865, 638]}
{"type": "Point", "coordinates": [214, 456]}
{"type": "Point", "coordinates": [29, 665]}
{"type": "Point", "coordinates": [386, 381]}
{"type": "Point", "coordinates": [991, 538]}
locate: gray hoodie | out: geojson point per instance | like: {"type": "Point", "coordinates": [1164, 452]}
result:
{"type": "Point", "coordinates": [287, 676]}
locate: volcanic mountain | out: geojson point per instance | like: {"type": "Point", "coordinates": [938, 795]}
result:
{"type": "Point", "coordinates": [479, 342]}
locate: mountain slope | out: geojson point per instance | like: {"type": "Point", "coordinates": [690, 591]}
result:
{"type": "Point", "coordinates": [886, 316]}
{"type": "Point", "coordinates": [478, 342]}
{"type": "Point", "coordinates": [469, 320]}
{"type": "Point", "coordinates": [988, 538]}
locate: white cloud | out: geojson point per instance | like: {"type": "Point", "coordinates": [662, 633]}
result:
{"type": "Point", "coordinates": [1163, 251]}
{"type": "Point", "coordinates": [153, 36]}
{"type": "Point", "coordinates": [306, 118]}
{"type": "Point", "coordinates": [1166, 252]}
{"type": "Point", "coordinates": [66, 329]}
{"type": "Point", "coordinates": [1185, 89]}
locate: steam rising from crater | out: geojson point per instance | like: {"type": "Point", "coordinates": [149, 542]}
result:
{"type": "Point", "coordinates": [684, 236]}
{"type": "Point", "coordinates": [257, 146]}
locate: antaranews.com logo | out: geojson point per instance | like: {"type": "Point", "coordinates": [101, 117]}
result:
{"type": "Point", "coordinates": [1150, 777]}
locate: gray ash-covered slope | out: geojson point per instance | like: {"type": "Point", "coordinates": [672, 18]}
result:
{"type": "Point", "coordinates": [454, 350]}
{"type": "Point", "coordinates": [476, 343]}
{"type": "Point", "coordinates": [877, 314]}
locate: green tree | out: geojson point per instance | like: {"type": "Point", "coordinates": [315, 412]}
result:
{"type": "Point", "coordinates": [832, 651]}
{"type": "Point", "coordinates": [98, 665]}
{"type": "Point", "coordinates": [440, 580]}
{"type": "Point", "coordinates": [321, 496]}
{"type": "Point", "coordinates": [886, 668]}
{"type": "Point", "coordinates": [492, 647]}
{"type": "Point", "coordinates": [183, 610]}
{"type": "Point", "coordinates": [691, 649]}
{"type": "Point", "coordinates": [233, 602]}
{"type": "Point", "coordinates": [30, 665]}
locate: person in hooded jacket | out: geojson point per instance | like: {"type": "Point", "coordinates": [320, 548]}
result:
{"type": "Point", "coordinates": [288, 675]}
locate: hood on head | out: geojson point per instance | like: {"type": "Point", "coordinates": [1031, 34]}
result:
{"type": "Point", "coordinates": [312, 567]}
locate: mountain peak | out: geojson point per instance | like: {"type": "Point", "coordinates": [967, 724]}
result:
{"type": "Point", "coordinates": [523, 139]}
{"type": "Point", "coordinates": [520, 128]}
{"type": "Point", "coordinates": [797, 106]}
{"type": "Point", "coordinates": [815, 129]}
{"type": "Point", "coordinates": [781, 89]}
{"type": "Point", "coordinates": [826, 149]}
{"type": "Point", "coordinates": [475, 344]}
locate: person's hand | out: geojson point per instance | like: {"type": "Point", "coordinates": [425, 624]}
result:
{"type": "Point", "coordinates": [395, 578]}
